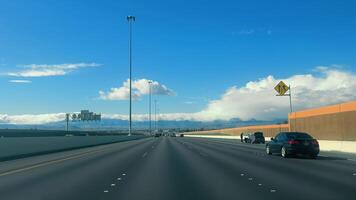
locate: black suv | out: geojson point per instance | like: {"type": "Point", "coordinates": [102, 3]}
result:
{"type": "Point", "coordinates": [255, 138]}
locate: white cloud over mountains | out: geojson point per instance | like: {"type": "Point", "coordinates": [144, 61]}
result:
{"type": "Point", "coordinates": [32, 119]}
{"type": "Point", "coordinates": [255, 100]}
{"type": "Point", "coordinates": [258, 100]}
{"type": "Point", "coordinates": [35, 70]}
{"type": "Point", "coordinates": [140, 87]}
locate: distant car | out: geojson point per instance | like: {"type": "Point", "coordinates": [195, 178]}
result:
{"type": "Point", "coordinates": [157, 135]}
{"type": "Point", "coordinates": [181, 135]}
{"type": "Point", "coordinates": [173, 135]}
{"type": "Point", "coordinates": [293, 143]}
{"type": "Point", "coordinates": [254, 138]}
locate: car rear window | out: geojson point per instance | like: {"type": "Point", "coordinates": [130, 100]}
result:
{"type": "Point", "coordinates": [299, 136]}
{"type": "Point", "coordinates": [258, 134]}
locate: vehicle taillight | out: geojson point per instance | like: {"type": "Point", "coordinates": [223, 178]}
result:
{"type": "Point", "coordinates": [293, 142]}
{"type": "Point", "coordinates": [315, 142]}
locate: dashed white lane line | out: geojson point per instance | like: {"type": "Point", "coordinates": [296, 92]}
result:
{"type": "Point", "coordinates": [119, 179]}
{"type": "Point", "coordinates": [354, 174]}
{"type": "Point", "coordinates": [242, 174]}
{"type": "Point", "coordinates": [273, 190]}
{"type": "Point", "coordinates": [112, 184]}
{"type": "Point", "coordinates": [124, 174]}
{"type": "Point", "coordinates": [250, 179]}
{"type": "Point", "coordinates": [260, 184]}
{"type": "Point", "coordinates": [106, 191]}
{"type": "Point", "coordinates": [144, 155]}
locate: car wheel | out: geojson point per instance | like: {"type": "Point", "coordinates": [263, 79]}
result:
{"type": "Point", "coordinates": [284, 152]}
{"type": "Point", "coordinates": [268, 150]}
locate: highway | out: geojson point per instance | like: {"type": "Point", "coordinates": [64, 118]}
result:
{"type": "Point", "coordinates": [175, 168]}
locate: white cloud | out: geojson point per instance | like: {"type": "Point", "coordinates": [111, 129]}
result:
{"type": "Point", "coordinates": [31, 119]}
{"type": "Point", "coordinates": [255, 100]}
{"type": "Point", "coordinates": [258, 100]}
{"type": "Point", "coordinates": [139, 88]}
{"type": "Point", "coordinates": [20, 81]}
{"type": "Point", "coordinates": [35, 70]}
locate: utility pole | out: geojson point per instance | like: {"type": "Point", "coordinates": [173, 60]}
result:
{"type": "Point", "coordinates": [130, 19]}
{"type": "Point", "coordinates": [149, 106]}
{"type": "Point", "coordinates": [155, 115]}
{"type": "Point", "coordinates": [290, 100]}
{"type": "Point", "coordinates": [67, 120]}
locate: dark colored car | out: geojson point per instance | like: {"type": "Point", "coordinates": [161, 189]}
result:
{"type": "Point", "coordinates": [255, 138]}
{"type": "Point", "coordinates": [158, 134]}
{"type": "Point", "coordinates": [293, 143]}
{"type": "Point", "coordinates": [181, 135]}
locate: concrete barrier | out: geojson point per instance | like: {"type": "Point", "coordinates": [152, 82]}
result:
{"type": "Point", "coordinates": [19, 147]}
{"type": "Point", "coordinates": [325, 145]}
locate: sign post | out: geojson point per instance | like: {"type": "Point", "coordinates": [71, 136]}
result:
{"type": "Point", "coordinates": [282, 88]}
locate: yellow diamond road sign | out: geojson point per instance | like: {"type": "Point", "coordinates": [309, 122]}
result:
{"type": "Point", "coordinates": [281, 88]}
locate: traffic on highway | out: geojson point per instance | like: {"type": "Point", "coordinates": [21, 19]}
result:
{"type": "Point", "coordinates": [169, 167]}
{"type": "Point", "coordinates": [177, 100]}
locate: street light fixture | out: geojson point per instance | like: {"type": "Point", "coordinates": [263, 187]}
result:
{"type": "Point", "coordinates": [130, 19]}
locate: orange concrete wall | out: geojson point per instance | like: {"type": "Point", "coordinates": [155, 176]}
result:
{"type": "Point", "coordinates": [336, 122]}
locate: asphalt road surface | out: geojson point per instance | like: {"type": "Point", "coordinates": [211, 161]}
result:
{"type": "Point", "coordinates": [169, 168]}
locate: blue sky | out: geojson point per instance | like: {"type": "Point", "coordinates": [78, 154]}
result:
{"type": "Point", "coordinates": [197, 49]}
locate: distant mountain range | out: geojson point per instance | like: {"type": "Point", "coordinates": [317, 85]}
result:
{"type": "Point", "coordinates": [114, 124]}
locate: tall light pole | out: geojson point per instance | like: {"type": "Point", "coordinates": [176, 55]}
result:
{"type": "Point", "coordinates": [149, 106]}
{"type": "Point", "coordinates": [155, 115]}
{"type": "Point", "coordinates": [130, 19]}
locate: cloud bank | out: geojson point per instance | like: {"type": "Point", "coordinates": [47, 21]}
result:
{"type": "Point", "coordinates": [140, 87]}
{"type": "Point", "coordinates": [31, 119]}
{"type": "Point", "coordinates": [258, 100]}
{"type": "Point", "coordinates": [255, 100]}
{"type": "Point", "coordinates": [35, 70]}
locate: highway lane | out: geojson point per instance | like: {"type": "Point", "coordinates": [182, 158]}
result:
{"type": "Point", "coordinates": [176, 168]}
